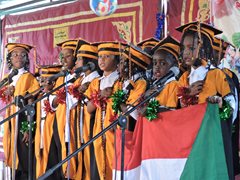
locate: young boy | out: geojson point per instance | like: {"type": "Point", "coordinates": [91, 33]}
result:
{"type": "Point", "coordinates": [100, 90]}
{"type": "Point", "coordinates": [87, 54]}
{"type": "Point", "coordinates": [64, 136]}
{"type": "Point", "coordinates": [165, 58]}
{"type": "Point", "coordinates": [44, 122]}
{"type": "Point", "coordinates": [16, 150]}
{"type": "Point", "coordinates": [132, 67]}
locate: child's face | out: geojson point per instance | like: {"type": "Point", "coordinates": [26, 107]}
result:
{"type": "Point", "coordinates": [107, 62]}
{"type": "Point", "coordinates": [18, 58]}
{"type": "Point", "coordinates": [160, 65]}
{"type": "Point", "coordinates": [79, 62]}
{"type": "Point", "coordinates": [189, 50]}
{"type": "Point", "coordinates": [68, 58]}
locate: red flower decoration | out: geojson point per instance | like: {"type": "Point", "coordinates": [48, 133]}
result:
{"type": "Point", "coordinates": [5, 98]}
{"type": "Point", "coordinates": [98, 101]}
{"type": "Point", "coordinates": [73, 90]}
{"type": "Point", "coordinates": [47, 108]}
{"type": "Point", "coordinates": [95, 97]}
{"type": "Point", "coordinates": [185, 98]}
{"type": "Point", "coordinates": [61, 96]}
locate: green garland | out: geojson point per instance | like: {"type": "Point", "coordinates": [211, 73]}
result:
{"type": "Point", "coordinates": [226, 111]}
{"type": "Point", "coordinates": [152, 110]}
{"type": "Point", "coordinates": [25, 126]}
{"type": "Point", "coordinates": [118, 98]}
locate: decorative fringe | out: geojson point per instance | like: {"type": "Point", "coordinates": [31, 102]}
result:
{"type": "Point", "coordinates": [152, 110]}
{"type": "Point", "coordinates": [25, 126]}
{"type": "Point", "coordinates": [73, 90]}
{"type": "Point", "coordinates": [226, 111]}
{"type": "Point", "coordinates": [185, 99]}
{"type": "Point", "coordinates": [6, 99]}
{"type": "Point", "coordinates": [47, 108]}
{"type": "Point", "coordinates": [118, 98]}
{"type": "Point", "coordinates": [61, 96]}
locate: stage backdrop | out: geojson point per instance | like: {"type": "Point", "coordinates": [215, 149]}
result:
{"type": "Point", "coordinates": [133, 21]}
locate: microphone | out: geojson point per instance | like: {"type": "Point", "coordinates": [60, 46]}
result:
{"type": "Point", "coordinates": [9, 78]}
{"type": "Point", "coordinates": [173, 71]}
{"type": "Point", "coordinates": [60, 74]}
{"type": "Point", "coordinates": [89, 66]}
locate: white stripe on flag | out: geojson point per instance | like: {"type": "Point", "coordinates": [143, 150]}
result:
{"type": "Point", "coordinates": [159, 169]}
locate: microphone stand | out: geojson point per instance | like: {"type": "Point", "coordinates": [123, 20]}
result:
{"type": "Point", "coordinates": [37, 100]}
{"type": "Point", "coordinates": [25, 97]}
{"type": "Point", "coordinates": [31, 112]}
{"type": "Point", "coordinates": [122, 121]}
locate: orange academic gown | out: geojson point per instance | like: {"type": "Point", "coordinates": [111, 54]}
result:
{"type": "Point", "coordinates": [42, 157]}
{"type": "Point", "coordinates": [26, 83]}
{"type": "Point", "coordinates": [59, 124]}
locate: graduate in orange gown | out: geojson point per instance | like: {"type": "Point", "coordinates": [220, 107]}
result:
{"type": "Point", "coordinates": [87, 55]}
{"type": "Point", "coordinates": [22, 83]}
{"type": "Point", "coordinates": [44, 120]}
{"type": "Point", "coordinates": [133, 64]}
{"type": "Point", "coordinates": [64, 140]}
{"type": "Point", "coordinates": [100, 90]}
{"type": "Point", "coordinates": [203, 82]}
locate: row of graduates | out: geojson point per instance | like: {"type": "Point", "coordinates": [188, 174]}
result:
{"type": "Point", "coordinates": [116, 82]}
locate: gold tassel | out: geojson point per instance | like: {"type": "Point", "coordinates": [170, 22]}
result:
{"type": "Point", "coordinates": [37, 66]}
{"type": "Point", "coordinates": [129, 64]}
{"type": "Point", "coordinates": [199, 38]}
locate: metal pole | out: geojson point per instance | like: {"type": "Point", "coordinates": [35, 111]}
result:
{"type": "Point", "coordinates": [30, 113]}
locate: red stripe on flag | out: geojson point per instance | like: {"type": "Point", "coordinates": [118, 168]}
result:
{"type": "Point", "coordinates": [173, 133]}
{"type": "Point", "coordinates": [170, 136]}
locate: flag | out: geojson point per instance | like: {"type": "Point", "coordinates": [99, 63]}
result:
{"type": "Point", "coordinates": [180, 144]}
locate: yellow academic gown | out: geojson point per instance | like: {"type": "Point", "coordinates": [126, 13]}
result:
{"type": "Point", "coordinates": [139, 87]}
{"type": "Point", "coordinates": [168, 96]}
{"type": "Point", "coordinates": [215, 83]}
{"type": "Point", "coordinates": [104, 153]}
{"type": "Point", "coordinates": [103, 146]}
{"type": "Point", "coordinates": [26, 83]}
{"type": "Point", "coordinates": [86, 138]}
{"type": "Point", "coordinates": [42, 158]}
{"type": "Point", "coordinates": [61, 122]}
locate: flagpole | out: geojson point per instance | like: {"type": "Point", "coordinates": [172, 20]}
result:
{"type": "Point", "coordinates": [123, 123]}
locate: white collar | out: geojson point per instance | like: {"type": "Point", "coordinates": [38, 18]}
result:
{"type": "Point", "coordinates": [170, 80]}
{"type": "Point", "coordinates": [133, 78]}
{"type": "Point", "coordinates": [114, 73]}
{"type": "Point", "coordinates": [90, 77]}
{"type": "Point", "coordinates": [108, 81]}
{"type": "Point", "coordinates": [20, 71]}
{"type": "Point", "coordinates": [197, 74]}
{"type": "Point", "coordinates": [16, 77]}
